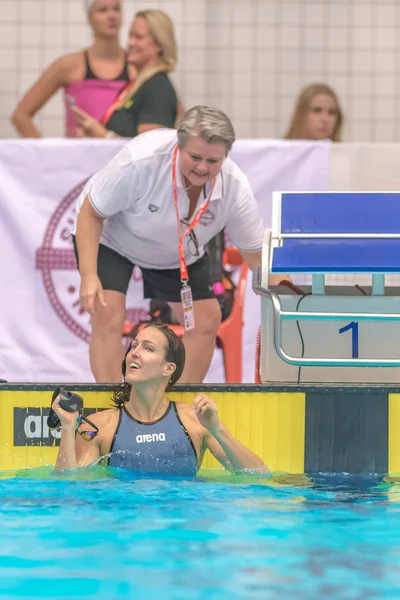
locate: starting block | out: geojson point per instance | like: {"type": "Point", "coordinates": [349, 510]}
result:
{"type": "Point", "coordinates": [336, 331]}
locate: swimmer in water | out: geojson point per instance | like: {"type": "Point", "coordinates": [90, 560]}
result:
{"type": "Point", "coordinates": [145, 431]}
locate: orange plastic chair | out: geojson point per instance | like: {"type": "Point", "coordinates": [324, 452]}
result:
{"type": "Point", "coordinates": [230, 332]}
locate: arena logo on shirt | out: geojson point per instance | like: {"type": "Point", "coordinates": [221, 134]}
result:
{"type": "Point", "coordinates": [150, 437]}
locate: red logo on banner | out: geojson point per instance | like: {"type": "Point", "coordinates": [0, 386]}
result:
{"type": "Point", "coordinates": [56, 261]}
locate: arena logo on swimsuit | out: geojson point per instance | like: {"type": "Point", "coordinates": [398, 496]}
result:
{"type": "Point", "coordinates": [150, 437]}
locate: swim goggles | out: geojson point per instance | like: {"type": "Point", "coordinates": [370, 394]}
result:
{"type": "Point", "coordinates": [86, 435]}
{"type": "Point", "coordinates": [71, 402]}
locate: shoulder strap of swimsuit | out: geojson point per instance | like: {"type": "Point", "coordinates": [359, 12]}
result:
{"type": "Point", "coordinates": [88, 73]}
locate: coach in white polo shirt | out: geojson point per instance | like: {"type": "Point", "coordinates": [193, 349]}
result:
{"type": "Point", "coordinates": [156, 205]}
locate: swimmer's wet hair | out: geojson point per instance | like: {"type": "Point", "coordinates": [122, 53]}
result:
{"type": "Point", "coordinates": [175, 353]}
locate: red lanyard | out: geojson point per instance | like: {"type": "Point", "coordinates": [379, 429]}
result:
{"type": "Point", "coordinates": [117, 102]}
{"type": "Point", "coordinates": [196, 218]}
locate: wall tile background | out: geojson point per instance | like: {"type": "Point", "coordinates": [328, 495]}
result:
{"type": "Point", "coordinates": [249, 57]}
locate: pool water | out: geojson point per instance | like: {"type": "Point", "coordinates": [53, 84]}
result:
{"type": "Point", "coordinates": [113, 536]}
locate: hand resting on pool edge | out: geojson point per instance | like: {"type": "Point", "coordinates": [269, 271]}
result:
{"type": "Point", "coordinates": [145, 431]}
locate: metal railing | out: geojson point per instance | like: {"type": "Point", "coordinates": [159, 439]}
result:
{"type": "Point", "coordinates": [280, 315]}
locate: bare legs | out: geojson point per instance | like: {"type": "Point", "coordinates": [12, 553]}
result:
{"type": "Point", "coordinates": [105, 349]}
{"type": "Point", "coordinates": [200, 341]}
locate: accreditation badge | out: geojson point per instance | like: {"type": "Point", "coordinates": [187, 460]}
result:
{"type": "Point", "coordinates": [187, 304]}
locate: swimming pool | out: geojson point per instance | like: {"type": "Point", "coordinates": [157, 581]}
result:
{"type": "Point", "coordinates": [109, 537]}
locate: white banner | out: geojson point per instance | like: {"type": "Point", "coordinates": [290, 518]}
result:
{"type": "Point", "coordinates": [43, 333]}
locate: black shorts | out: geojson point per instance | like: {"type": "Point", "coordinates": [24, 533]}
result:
{"type": "Point", "coordinates": [115, 272]}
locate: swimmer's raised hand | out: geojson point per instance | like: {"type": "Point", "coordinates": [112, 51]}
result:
{"type": "Point", "coordinates": [67, 419]}
{"type": "Point", "coordinates": [207, 412]}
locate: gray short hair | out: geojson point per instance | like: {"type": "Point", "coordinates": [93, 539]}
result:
{"type": "Point", "coordinates": [211, 124]}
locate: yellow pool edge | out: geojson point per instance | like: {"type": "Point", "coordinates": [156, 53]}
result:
{"type": "Point", "coordinates": [272, 424]}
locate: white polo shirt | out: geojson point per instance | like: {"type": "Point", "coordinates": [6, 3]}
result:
{"type": "Point", "coordinates": [135, 194]}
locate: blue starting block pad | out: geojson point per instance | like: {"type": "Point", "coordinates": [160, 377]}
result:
{"type": "Point", "coordinates": [336, 233]}
{"type": "Point", "coordinates": [322, 233]}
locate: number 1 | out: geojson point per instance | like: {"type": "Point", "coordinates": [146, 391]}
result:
{"type": "Point", "coordinates": [354, 337]}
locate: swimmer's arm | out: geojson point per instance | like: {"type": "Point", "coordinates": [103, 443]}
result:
{"type": "Point", "coordinates": [231, 453]}
{"type": "Point", "coordinates": [74, 451]}
{"type": "Point", "coordinates": [221, 443]}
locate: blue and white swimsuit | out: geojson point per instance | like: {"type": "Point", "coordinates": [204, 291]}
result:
{"type": "Point", "coordinates": [162, 446]}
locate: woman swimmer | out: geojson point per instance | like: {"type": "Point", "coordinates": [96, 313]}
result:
{"type": "Point", "coordinates": [145, 431]}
